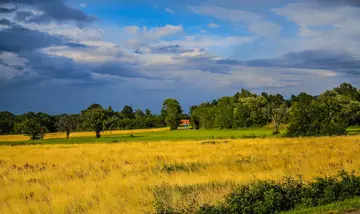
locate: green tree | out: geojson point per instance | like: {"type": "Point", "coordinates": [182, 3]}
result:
{"type": "Point", "coordinates": [277, 114]}
{"type": "Point", "coordinates": [171, 111]}
{"type": "Point", "coordinates": [7, 122]}
{"type": "Point", "coordinates": [194, 119]}
{"type": "Point", "coordinates": [128, 112]}
{"type": "Point", "coordinates": [67, 124]}
{"type": "Point", "coordinates": [224, 113]}
{"type": "Point", "coordinates": [95, 119]}
{"type": "Point", "coordinates": [94, 106]}
{"type": "Point", "coordinates": [33, 128]}
{"type": "Point", "coordinates": [349, 91]}
{"type": "Point", "coordinates": [329, 114]}
{"type": "Point", "coordinates": [148, 113]}
{"type": "Point", "coordinates": [253, 106]}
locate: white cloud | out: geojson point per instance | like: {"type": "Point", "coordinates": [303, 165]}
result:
{"type": "Point", "coordinates": [168, 10]}
{"type": "Point", "coordinates": [143, 36]}
{"type": "Point", "coordinates": [213, 25]}
{"type": "Point", "coordinates": [320, 27]}
{"type": "Point", "coordinates": [12, 59]}
{"type": "Point", "coordinates": [255, 22]}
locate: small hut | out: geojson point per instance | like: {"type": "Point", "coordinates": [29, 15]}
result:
{"type": "Point", "coordinates": [185, 124]}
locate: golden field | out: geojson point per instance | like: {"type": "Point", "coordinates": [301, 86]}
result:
{"type": "Point", "coordinates": [55, 135]}
{"type": "Point", "coordinates": [125, 177]}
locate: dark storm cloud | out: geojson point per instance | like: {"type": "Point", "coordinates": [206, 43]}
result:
{"type": "Point", "coordinates": [42, 67]}
{"type": "Point", "coordinates": [27, 43]}
{"type": "Point", "coordinates": [53, 10]}
{"type": "Point", "coordinates": [21, 16]}
{"type": "Point", "coordinates": [55, 66]}
{"type": "Point", "coordinates": [6, 10]}
{"type": "Point", "coordinates": [5, 22]}
{"type": "Point", "coordinates": [314, 59]}
{"type": "Point", "coordinates": [43, 19]}
{"type": "Point", "coordinates": [17, 38]}
{"type": "Point", "coordinates": [118, 69]}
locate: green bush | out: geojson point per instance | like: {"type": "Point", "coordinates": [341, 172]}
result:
{"type": "Point", "coordinates": [272, 197]}
{"type": "Point", "coordinates": [275, 197]}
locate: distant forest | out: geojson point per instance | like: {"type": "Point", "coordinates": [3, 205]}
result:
{"type": "Point", "coordinates": [330, 113]}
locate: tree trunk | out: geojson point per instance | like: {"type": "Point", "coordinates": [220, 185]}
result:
{"type": "Point", "coordinates": [277, 128]}
{"type": "Point", "coordinates": [276, 124]}
{"type": "Point", "coordinates": [98, 135]}
{"type": "Point", "coordinates": [67, 135]}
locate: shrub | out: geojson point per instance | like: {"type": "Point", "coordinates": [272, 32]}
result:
{"type": "Point", "coordinates": [274, 197]}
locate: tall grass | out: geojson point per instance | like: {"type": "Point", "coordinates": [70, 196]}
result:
{"type": "Point", "coordinates": [127, 177]}
{"type": "Point", "coordinates": [58, 135]}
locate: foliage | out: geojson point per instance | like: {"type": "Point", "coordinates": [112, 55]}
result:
{"type": "Point", "coordinates": [329, 114]}
{"type": "Point", "coordinates": [95, 119]}
{"type": "Point", "coordinates": [7, 122]}
{"type": "Point", "coordinates": [33, 128]}
{"type": "Point", "coordinates": [262, 197]}
{"type": "Point", "coordinates": [67, 124]}
{"type": "Point", "coordinates": [171, 111]}
{"type": "Point", "coordinates": [128, 112]}
{"type": "Point", "coordinates": [277, 114]}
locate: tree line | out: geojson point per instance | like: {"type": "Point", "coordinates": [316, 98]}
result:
{"type": "Point", "coordinates": [94, 118]}
{"type": "Point", "coordinates": [329, 113]}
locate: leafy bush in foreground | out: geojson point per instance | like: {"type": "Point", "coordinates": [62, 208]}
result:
{"type": "Point", "coordinates": [274, 197]}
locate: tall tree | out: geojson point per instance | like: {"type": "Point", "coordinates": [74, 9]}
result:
{"type": "Point", "coordinates": [7, 121]}
{"type": "Point", "coordinates": [224, 113]}
{"type": "Point", "coordinates": [277, 114]}
{"type": "Point", "coordinates": [349, 91]}
{"type": "Point", "coordinates": [128, 112]}
{"type": "Point", "coordinates": [171, 111]}
{"type": "Point", "coordinates": [33, 128]}
{"type": "Point", "coordinates": [148, 113]}
{"type": "Point", "coordinates": [95, 119]}
{"type": "Point", "coordinates": [67, 124]}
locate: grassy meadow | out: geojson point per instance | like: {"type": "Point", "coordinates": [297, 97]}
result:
{"type": "Point", "coordinates": [180, 168]}
{"type": "Point", "coordinates": [140, 135]}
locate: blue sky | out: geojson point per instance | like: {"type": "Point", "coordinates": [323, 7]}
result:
{"type": "Point", "coordinates": [59, 56]}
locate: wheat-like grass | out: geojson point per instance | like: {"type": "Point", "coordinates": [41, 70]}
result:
{"type": "Point", "coordinates": [13, 138]}
{"type": "Point", "coordinates": [121, 178]}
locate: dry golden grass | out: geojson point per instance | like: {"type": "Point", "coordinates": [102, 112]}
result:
{"type": "Point", "coordinates": [120, 178]}
{"type": "Point", "coordinates": [13, 138]}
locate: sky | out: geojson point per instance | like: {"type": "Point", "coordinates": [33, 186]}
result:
{"type": "Point", "coordinates": [60, 56]}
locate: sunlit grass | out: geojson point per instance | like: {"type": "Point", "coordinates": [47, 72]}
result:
{"type": "Point", "coordinates": [125, 177]}
{"type": "Point", "coordinates": [62, 135]}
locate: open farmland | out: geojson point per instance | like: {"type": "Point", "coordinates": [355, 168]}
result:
{"type": "Point", "coordinates": [138, 135]}
{"type": "Point", "coordinates": [128, 177]}
{"type": "Point", "coordinates": [62, 135]}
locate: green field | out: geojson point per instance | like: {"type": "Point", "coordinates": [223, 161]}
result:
{"type": "Point", "coordinates": [179, 135]}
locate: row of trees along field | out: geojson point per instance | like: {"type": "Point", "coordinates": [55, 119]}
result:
{"type": "Point", "coordinates": [330, 113]}
{"type": "Point", "coordinates": [94, 118]}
